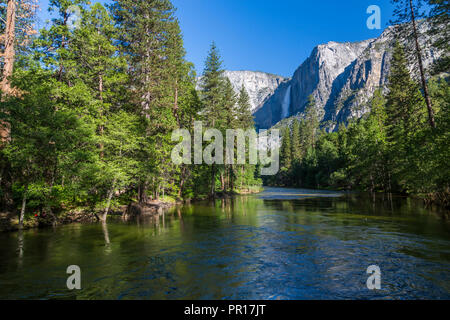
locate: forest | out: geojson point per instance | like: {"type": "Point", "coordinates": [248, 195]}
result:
{"type": "Point", "coordinates": [401, 146]}
{"type": "Point", "coordinates": [88, 109]}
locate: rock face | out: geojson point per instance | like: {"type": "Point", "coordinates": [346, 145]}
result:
{"type": "Point", "coordinates": [259, 85]}
{"type": "Point", "coordinates": [341, 77]}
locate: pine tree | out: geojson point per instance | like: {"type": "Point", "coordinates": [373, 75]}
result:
{"type": "Point", "coordinates": [404, 100]}
{"type": "Point", "coordinates": [212, 84]}
{"type": "Point", "coordinates": [150, 40]}
{"type": "Point", "coordinates": [95, 62]}
{"type": "Point", "coordinates": [296, 142]}
{"type": "Point", "coordinates": [54, 43]}
{"type": "Point", "coordinates": [231, 121]}
{"type": "Point", "coordinates": [440, 32]}
{"type": "Point", "coordinates": [404, 108]}
{"type": "Point", "coordinates": [187, 106]}
{"type": "Point", "coordinates": [212, 96]}
{"type": "Point", "coordinates": [245, 121]}
{"type": "Point", "coordinates": [312, 123]}
{"type": "Point", "coordinates": [244, 111]}
{"type": "Point", "coordinates": [408, 12]}
{"type": "Point", "coordinates": [286, 149]}
{"type": "Point", "coordinates": [16, 33]}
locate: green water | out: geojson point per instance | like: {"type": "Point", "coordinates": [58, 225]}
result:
{"type": "Point", "coordinates": [281, 244]}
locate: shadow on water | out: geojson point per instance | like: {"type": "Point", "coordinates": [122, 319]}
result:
{"type": "Point", "coordinates": [280, 244]}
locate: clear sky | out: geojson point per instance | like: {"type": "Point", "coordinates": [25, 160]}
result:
{"type": "Point", "coordinates": [273, 36]}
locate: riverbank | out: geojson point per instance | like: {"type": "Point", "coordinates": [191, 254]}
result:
{"type": "Point", "coordinates": [9, 221]}
{"type": "Point", "coordinates": [438, 199]}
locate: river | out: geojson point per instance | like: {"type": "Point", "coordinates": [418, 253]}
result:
{"type": "Point", "coordinates": [280, 244]}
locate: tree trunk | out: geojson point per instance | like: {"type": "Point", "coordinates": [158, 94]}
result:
{"type": "Point", "coordinates": [22, 210]}
{"type": "Point", "coordinates": [231, 178]}
{"type": "Point", "coordinates": [106, 233]}
{"type": "Point", "coordinates": [213, 182]}
{"type": "Point", "coordinates": [372, 190]}
{"type": "Point", "coordinates": [242, 177]}
{"type": "Point", "coordinates": [1, 172]}
{"type": "Point", "coordinates": [101, 127]}
{"type": "Point", "coordinates": [222, 182]}
{"type": "Point", "coordinates": [422, 71]}
{"type": "Point", "coordinates": [182, 181]}
{"type": "Point", "coordinates": [175, 105]}
{"type": "Point", "coordinates": [9, 56]}
{"type": "Point", "coordinates": [157, 191]}
{"type": "Point", "coordinates": [142, 193]}
{"type": "Point", "coordinates": [108, 203]}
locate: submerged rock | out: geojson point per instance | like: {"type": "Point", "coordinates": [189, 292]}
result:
{"type": "Point", "coordinates": [145, 209]}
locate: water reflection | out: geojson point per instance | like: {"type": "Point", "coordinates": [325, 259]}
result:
{"type": "Point", "coordinates": [20, 247]}
{"type": "Point", "coordinates": [282, 244]}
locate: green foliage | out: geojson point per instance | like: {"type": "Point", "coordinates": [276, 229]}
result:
{"type": "Point", "coordinates": [439, 18]}
{"type": "Point", "coordinates": [91, 125]}
{"type": "Point", "coordinates": [392, 149]}
{"type": "Point", "coordinates": [96, 105]}
{"type": "Point", "coordinates": [223, 110]}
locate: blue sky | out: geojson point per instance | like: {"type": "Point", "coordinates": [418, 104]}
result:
{"type": "Point", "coordinates": [273, 36]}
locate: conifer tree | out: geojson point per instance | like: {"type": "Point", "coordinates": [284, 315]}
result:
{"type": "Point", "coordinates": [150, 40]}
{"type": "Point", "coordinates": [439, 19]}
{"type": "Point", "coordinates": [408, 12]}
{"type": "Point", "coordinates": [286, 149]}
{"type": "Point", "coordinates": [95, 62]}
{"type": "Point", "coordinates": [212, 84]}
{"type": "Point", "coordinates": [404, 108]}
{"type": "Point", "coordinates": [231, 121]}
{"type": "Point", "coordinates": [245, 122]}
{"type": "Point", "coordinates": [244, 110]}
{"type": "Point", "coordinates": [212, 93]}
{"type": "Point", "coordinates": [16, 32]}
{"type": "Point", "coordinates": [311, 123]}
{"type": "Point", "coordinates": [296, 141]}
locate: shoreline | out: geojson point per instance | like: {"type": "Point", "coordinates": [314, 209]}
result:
{"type": "Point", "coordinates": [440, 200]}
{"type": "Point", "coordinates": [9, 221]}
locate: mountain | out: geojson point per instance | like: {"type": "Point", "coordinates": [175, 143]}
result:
{"type": "Point", "coordinates": [259, 85]}
{"type": "Point", "coordinates": [340, 76]}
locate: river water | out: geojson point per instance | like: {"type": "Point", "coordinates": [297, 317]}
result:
{"type": "Point", "coordinates": [280, 244]}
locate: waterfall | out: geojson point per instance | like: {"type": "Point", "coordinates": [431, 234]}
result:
{"type": "Point", "coordinates": [286, 104]}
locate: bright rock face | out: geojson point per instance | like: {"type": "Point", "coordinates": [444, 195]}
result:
{"type": "Point", "coordinates": [341, 77]}
{"type": "Point", "coordinates": [259, 85]}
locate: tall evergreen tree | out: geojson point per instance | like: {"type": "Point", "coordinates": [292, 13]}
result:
{"type": "Point", "coordinates": [311, 123]}
{"type": "Point", "coordinates": [439, 18]}
{"type": "Point", "coordinates": [245, 121]}
{"type": "Point", "coordinates": [95, 62]}
{"type": "Point", "coordinates": [16, 31]}
{"type": "Point", "coordinates": [244, 111]}
{"type": "Point", "coordinates": [296, 142]}
{"type": "Point", "coordinates": [404, 108]}
{"type": "Point", "coordinates": [286, 149]}
{"type": "Point", "coordinates": [408, 12]}
{"type": "Point", "coordinates": [151, 41]}
{"type": "Point", "coordinates": [212, 85]}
